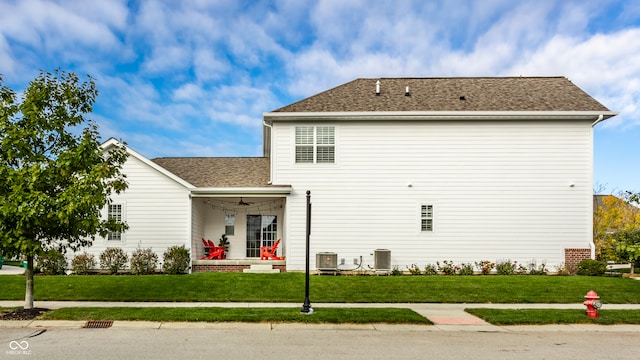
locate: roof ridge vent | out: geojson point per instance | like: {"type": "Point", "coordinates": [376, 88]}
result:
{"type": "Point", "coordinates": [378, 87]}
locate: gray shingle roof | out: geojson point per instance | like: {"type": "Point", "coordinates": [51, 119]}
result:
{"type": "Point", "coordinates": [444, 94]}
{"type": "Point", "coordinates": [216, 172]}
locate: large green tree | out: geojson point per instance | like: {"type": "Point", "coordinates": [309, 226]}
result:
{"type": "Point", "coordinates": [55, 178]}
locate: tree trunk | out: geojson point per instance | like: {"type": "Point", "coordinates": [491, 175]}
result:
{"type": "Point", "coordinates": [28, 296]}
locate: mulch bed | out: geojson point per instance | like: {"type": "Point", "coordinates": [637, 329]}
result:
{"type": "Point", "coordinates": [22, 314]}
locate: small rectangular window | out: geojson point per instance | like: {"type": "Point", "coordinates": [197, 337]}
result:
{"type": "Point", "coordinates": [315, 144]}
{"type": "Point", "coordinates": [114, 212]}
{"type": "Point", "coordinates": [229, 224]}
{"type": "Point", "coordinates": [426, 217]}
{"type": "Point", "coordinates": [304, 144]}
{"type": "Point", "coordinates": [325, 144]}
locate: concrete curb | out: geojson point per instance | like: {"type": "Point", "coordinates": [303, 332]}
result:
{"type": "Point", "coordinates": [62, 324]}
{"type": "Point", "coordinates": [445, 317]}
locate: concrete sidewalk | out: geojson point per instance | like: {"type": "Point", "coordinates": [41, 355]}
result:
{"type": "Point", "coordinates": [445, 317]}
{"type": "Point", "coordinates": [11, 270]}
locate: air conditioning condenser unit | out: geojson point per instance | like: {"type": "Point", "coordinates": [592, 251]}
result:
{"type": "Point", "coordinates": [382, 261]}
{"type": "Point", "coordinates": [327, 262]}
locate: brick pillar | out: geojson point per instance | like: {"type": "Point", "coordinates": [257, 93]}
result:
{"type": "Point", "coordinates": [573, 256]}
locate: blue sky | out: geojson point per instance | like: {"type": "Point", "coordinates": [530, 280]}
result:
{"type": "Point", "coordinates": [193, 77]}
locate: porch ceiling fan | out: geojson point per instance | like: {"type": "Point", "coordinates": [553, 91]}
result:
{"type": "Point", "coordinates": [244, 203]}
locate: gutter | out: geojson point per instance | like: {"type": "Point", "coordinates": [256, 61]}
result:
{"type": "Point", "coordinates": [437, 115]}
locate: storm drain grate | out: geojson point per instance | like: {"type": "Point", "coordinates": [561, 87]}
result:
{"type": "Point", "coordinates": [94, 324]}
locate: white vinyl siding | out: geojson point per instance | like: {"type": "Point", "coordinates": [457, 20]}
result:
{"type": "Point", "coordinates": [500, 190]}
{"type": "Point", "coordinates": [315, 144]}
{"type": "Point", "coordinates": [156, 209]}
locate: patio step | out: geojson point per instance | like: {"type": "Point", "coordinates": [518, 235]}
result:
{"type": "Point", "coordinates": [261, 269]}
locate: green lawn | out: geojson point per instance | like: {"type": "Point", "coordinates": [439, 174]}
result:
{"type": "Point", "coordinates": [289, 287]}
{"type": "Point", "coordinates": [554, 316]}
{"type": "Point", "coordinates": [324, 315]}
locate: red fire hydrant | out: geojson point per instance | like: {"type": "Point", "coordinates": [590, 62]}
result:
{"type": "Point", "coordinates": [592, 303]}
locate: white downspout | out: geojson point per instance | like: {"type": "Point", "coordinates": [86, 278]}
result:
{"type": "Point", "coordinates": [600, 118]}
{"type": "Point", "coordinates": [264, 122]}
{"type": "Point", "coordinates": [592, 246]}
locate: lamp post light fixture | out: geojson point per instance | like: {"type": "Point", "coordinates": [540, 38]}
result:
{"type": "Point", "coordinates": [306, 307]}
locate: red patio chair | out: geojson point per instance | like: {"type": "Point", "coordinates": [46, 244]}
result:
{"type": "Point", "coordinates": [269, 252]}
{"type": "Point", "coordinates": [216, 252]}
{"type": "Point", "coordinates": [212, 252]}
{"type": "Point", "coordinates": [207, 249]}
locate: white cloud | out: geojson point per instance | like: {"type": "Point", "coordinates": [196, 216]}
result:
{"type": "Point", "coordinates": [55, 25]}
{"type": "Point", "coordinates": [188, 92]}
{"type": "Point", "coordinates": [6, 57]}
{"type": "Point", "coordinates": [496, 38]}
{"type": "Point", "coordinates": [603, 65]}
{"type": "Point", "coordinates": [52, 34]}
{"type": "Point", "coordinates": [239, 105]}
{"type": "Point", "coordinates": [209, 66]}
{"type": "Point", "coordinates": [193, 72]}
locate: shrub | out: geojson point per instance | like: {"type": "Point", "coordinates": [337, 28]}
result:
{"type": "Point", "coordinates": [414, 270]}
{"type": "Point", "coordinates": [113, 260]}
{"type": "Point", "coordinates": [505, 267]}
{"type": "Point", "coordinates": [144, 261]}
{"type": "Point", "coordinates": [521, 269]}
{"type": "Point", "coordinates": [534, 269]}
{"type": "Point", "coordinates": [485, 266]}
{"type": "Point", "coordinates": [627, 246]}
{"type": "Point", "coordinates": [176, 260]}
{"type": "Point", "coordinates": [396, 271]}
{"type": "Point", "coordinates": [564, 270]}
{"type": "Point", "coordinates": [447, 267]}
{"type": "Point", "coordinates": [52, 262]}
{"type": "Point", "coordinates": [430, 270]}
{"type": "Point", "coordinates": [590, 267]}
{"type": "Point", "coordinates": [83, 263]}
{"type": "Point", "coordinates": [465, 269]}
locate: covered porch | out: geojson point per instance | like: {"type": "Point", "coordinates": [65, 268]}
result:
{"type": "Point", "coordinates": [243, 225]}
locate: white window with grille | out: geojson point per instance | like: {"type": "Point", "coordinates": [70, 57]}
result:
{"type": "Point", "coordinates": [229, 224]}
{"type": "Point", "coordinates": [426, 218]}
{"type": "Point", "coordinates": [115, 212]}
{"type": "Point", "coordinates": [315, 144]}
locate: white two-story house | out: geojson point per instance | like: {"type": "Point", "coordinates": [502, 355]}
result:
{"type": "Point", "coordinates": [428, 169]}
{"type": "Point", "coordinates": [433, 169]}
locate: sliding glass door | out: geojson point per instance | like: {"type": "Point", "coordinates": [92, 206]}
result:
{"type": "Point", "coordinates": [262, 230]}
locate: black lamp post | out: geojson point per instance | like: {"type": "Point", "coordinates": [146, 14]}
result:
{"type": "Point", "coordinates": [306, 307]}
